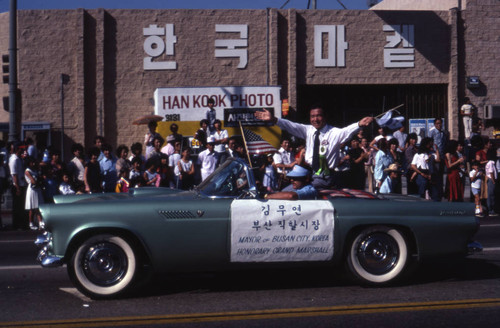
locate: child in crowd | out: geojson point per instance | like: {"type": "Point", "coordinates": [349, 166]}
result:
{"type": "Point", "coordinates": [136, 151]}
{"type": "Point", "coordinates": [269, 178]}
{"type": "Point", "coordinates": [391, 183]}
{"type": "Point", "coordinates": [122, 185]}
{"type": "Point", "coordinates": [151, 177]}
{"type": "Point", "coordinates": [163, 172]}
{"type": "Point", "coordinates": [50, 183]}
{"type": "Point", "coordinates": [34, 196]}
{"type": "Point", "coordinates": [65, 187]}
{"type": "Point", "coordinates": [476, 179]}
{"type": "Point", "coordinates": [136, 170]}
{"type": "Point", "coordinates": [173, 160]}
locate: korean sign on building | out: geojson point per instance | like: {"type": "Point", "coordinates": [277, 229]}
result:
{"type": "Point", "coordinates": [231, 103]}
{"type": "Point", "coordinates": [330, 45]}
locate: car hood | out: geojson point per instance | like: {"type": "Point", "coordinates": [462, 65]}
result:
{"type": "Point", "coordinates": [133, 193]}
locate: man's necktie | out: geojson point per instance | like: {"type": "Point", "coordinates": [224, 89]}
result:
{"type": "Point", "coordinates": [315, 160]}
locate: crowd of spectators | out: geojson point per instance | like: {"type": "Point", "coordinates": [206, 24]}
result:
{"type": "Point", "coordinates": [434, 167]}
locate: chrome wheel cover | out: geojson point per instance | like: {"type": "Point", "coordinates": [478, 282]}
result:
{"type": "Point", "coordinates": [104, 264]}
{"type": "Point", "coordinates": [377, 253]}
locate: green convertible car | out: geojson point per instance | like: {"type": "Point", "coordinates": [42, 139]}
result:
{"type": "Point", "coordinates": [108, 241]}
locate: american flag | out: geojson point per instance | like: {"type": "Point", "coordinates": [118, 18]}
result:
{"type": "Point", "coordinates": [256, 145]}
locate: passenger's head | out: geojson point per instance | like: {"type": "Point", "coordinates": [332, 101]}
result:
{"type": "Point", "coordinates": [300, 177]}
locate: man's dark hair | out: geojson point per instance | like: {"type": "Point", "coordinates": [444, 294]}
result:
{"type": "Point", "coordinates": [204, 121]}
{"type": "Point", "coordinates": [119, 150]}
{"type": "Point", "coordinates": [424, 144]}
{"type": "Point", "coordinates": [394, 141]}
{"type": "Point", "coordinates": [106, 147]}
{"type": "Point", "coordinates": [99, 138]}
{"type": "Point", "coordinates": [317, 105]}
{"type": "Point", "coordinates": [94, 151]}
{"type": "Point", "coordinates": [137, 159]}
{"type": "Point", "coordinates": [210, 101]}
{"type": "Point", "coordinates": [76, 146]}
{"type": "Point", "coordinates": [354, 138]}
{"type": "Point", "coordinates": [152, 124]}
{"type": "Point", "coordinates": [158, 137]}
{"type": "Point", "coordinates": [136, 146]}
{"type": "Point", "coordinates": [413, 136]}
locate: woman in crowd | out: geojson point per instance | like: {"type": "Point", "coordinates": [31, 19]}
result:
{"type": "Point", "coordinates": [92, 178]}
{"type": "Point", "coordinates": [422, 163]}
{"type": "Point", "coordinates": [410, 152]}
{"type": "Point", "coordinates": [184, 170]}
{"type": "Point", "coordinates": [122, 162]}
{"type": "Point", "coordinates": [398, 159]}
{"type": "Point", "coordinates": [454, 165]}
{"type": "Point", "coordinates": [34, 196]}
{"type": "Point", "coordinates": [357, 157]}
{"type": "Point", "coordinates": [369, 162]}
{"type": "Point", "coordinates": [491, 178]}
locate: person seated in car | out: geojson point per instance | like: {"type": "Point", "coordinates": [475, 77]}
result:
{"type": "Point", "coordinates": [300, 178]}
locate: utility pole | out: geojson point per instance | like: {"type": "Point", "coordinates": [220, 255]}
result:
{"type": "Point", "coordinates": [13, 136]}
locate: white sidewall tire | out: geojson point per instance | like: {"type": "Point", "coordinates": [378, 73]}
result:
{"type": "Point", "coordinates": [93, 289]}
{"type": "Point", "coordinates": [396, 271]}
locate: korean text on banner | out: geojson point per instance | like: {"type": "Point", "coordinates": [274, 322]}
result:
{"type": "Point", "coordinates": [281, 231]}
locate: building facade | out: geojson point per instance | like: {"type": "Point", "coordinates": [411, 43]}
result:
{"type": "Point", "coordinates": [354, 62]}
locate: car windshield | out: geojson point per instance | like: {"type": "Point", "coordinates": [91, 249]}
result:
{"type": "Point", "coordinates": [230, 180]}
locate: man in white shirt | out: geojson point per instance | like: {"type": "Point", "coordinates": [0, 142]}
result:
{"type": "Point", "coordinates": [467, 112]}
{"type": "Point", "coordinates": [208, 159]}
{"type": "Point", "coordinates": [401, 136]}
{"type": "Point", "coordinates": [19, 184]}
{"type": "Point", "coordinates": [221, 137]}
{"type": "Point", "coordinates": [319, 137]}
{"type": "Point", "coordinates": [284, 159]}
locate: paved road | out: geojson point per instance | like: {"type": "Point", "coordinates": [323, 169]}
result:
{"type": "Point", "coordinates": [444, 294]}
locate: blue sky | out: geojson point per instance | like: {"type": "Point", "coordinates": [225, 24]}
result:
{"type": "Point", "coordinates": [169, 4]}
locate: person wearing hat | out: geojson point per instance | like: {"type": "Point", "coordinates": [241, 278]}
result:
{"type": "Point", "coordinates": [169, 148]}
{"type": "Point", "coordinates": [208, 160]}
{"type": "Point", "coordinates": [389, 185]}
{"type": "Point", "coordinates": [301, 183]}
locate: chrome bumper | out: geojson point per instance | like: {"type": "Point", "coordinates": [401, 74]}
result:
{"type": "Point", "coordinates": [46, 260]}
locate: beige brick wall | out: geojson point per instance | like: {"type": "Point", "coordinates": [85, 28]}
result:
{"type": "Point", "coordinates": [102, 52]}
{"type": "Point", "coordinates": [482, 53]}
{"type": "Point", "coordinates": [4, 49]}
{"type": "Point", "coordinates": [366, 39]}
